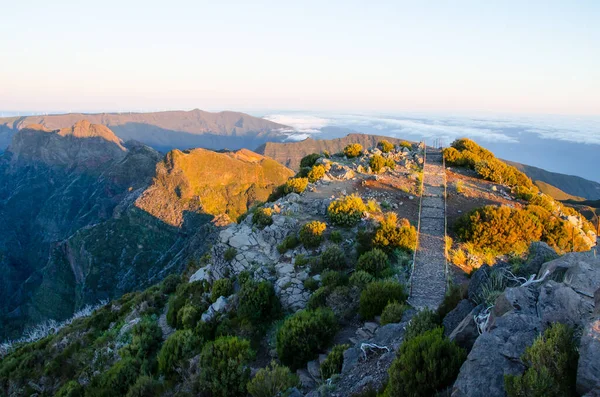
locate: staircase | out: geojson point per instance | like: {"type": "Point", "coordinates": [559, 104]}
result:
{"type": "Point", "coordinates": [428, 279]}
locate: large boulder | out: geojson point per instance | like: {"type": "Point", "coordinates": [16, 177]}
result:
{"type": "Point", "coordinates": [457, 315]}
{"type": "Point", "coordinates": [497, 353]}
{"type": "Point", "coordinates": [588, 368]}
{"type": "Point", "coordinates": [521, 314]}
{"type": "Point", "coordinates": [539, 253]}
{"type": "Point", "coordinates": [466, 333]}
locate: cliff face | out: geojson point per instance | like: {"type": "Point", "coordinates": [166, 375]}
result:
{"type": "Point", "coordinates": [84, 216]}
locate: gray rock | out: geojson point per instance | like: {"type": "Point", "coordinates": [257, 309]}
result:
{"type": "Point", "coordinates": [465, 333]}
{"type": "Point", "coordinates": [201, 274]}
{"type": "Point", "coordinates": [314, 369]}
{"type": "Point", "coordinates": [560, 303]}
{"type": "Point", "coordinates": [220, 305]}
{"type": "Point", "coordinates": [294, 392]}
{"type": "Point", "coordinates": [588, 367]}
{"type": "Point", "coordinates": [539, 253]}
{"type": "Point", "coordinates": [478, 280]}
{"type": "Point", "coordinates": [351, 358]}
{"type": "Point", "coordinates": [495, 354]}
{"type": "Point", "coordinates": [306, 380]}
{"type": "Point", "coordinates": [457, 315]}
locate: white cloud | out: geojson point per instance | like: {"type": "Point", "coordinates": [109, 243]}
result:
{"type": "Point", "coordinates": [491, 129]}
{"type": "Point", "coordinates": [300, 123]}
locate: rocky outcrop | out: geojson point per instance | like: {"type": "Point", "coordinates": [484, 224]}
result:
{"type": "Point", "coordinates": [521, 314]}
{"type": "Point", "coordinates": [189, 184]}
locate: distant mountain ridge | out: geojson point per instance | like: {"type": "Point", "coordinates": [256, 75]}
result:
{"type": "Point", "coordinates": [164, 130]}
{"type": "Point", "coordinates": [570, 184]}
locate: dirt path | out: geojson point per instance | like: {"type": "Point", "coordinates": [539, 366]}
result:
{"type": "Point", "coordinates": [428, 281]}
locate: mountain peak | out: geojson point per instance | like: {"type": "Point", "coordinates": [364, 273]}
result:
{"type": "Point", "coordinates": [83, 145]}
{"type": "Point", "coordinates": [85, 129]}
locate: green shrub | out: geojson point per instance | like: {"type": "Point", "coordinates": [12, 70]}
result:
{"type": "Point", "coordinates": [393, 313]}
{"type": "Point", "coordinates": [551, 364]}
{"type": "Point", "coordinates": [353, 150]}
{"type": "Point", "coordinates": [262, 217]}
{"type": "Point", "coordinates": [333, 258]}
{"type": "Point", "coordinates": [221, 287]}
{"type": "Point", "coordinates": [170, 283]}
{"type": "Point", "coordinates": [70, 389]}
{"type": "Point", "coordinates": [295, 185]}
{"type": "Point", "coordinates": [454, 295]}
{"type": "Point", "coordinates": [385, 146]}
{"type": "Point", "coordinates": [311, 284]}
{"type": "Point", "coordinates": [375, 297]}
{"type": "Point", "coordinates": [425, 365]}
{"type": "Point", "coordinates": [189, 316]}
{"type": "Point", "coordinates": [115, 381]}
{"type": "Point", "coordinates": [503, 230]}
{"type": "Point", "coordinates": [230, 254]}
{"type": "Point", "coordinates": [186, 294]}
{"type": "Point", "coordinates": [318, 298]}
{"type": "Point", "coordinates": [377, 162]}
{"type": "Point", "coordinates": [336, 237]}
{"type": "Point", "coordinates": [360, 279]}
{"type": "Point", "coordinates": [258, 303]}
{"type": "Point", "coordinates": [334, 361]}
{"type": "Point", "coordinates": [145, 386]}
{"type": "Point", "coordinates": [332, 279]}
{"type": "Point", "coordinates": [406, 144]}
{"type": "Point", "coordinates": [375, 262]}
{"type": "Point", "coordinates": [310, 160]}
{"type": "Point", "coordinates": [272, 381]}
{"type": "Point", "coordinates": [300, 261]}
{"type": "Point", "coordinates": [303, 335]}
{"type": "Point", "coordinates": [288, 243]}
{"type": "Point", "coordinates": [390, 236]}
{"type": "Point", "coordinates": [176, 350]}
{"type": "Point", "coordinates": [146, 337]}
{"type": "Point", "coordinates": [224, 364]}
{"type": "Point", "coordinates": [311, 234]}
{"type": "Point", "coordinates": [346, 211]}
{"type": "Point", "coordinates": [423, 321]}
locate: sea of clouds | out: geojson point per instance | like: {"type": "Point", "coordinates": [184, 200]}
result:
{"type": "Point", "coordinates": [482, 128]}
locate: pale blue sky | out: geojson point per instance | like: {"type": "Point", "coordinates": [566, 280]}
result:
{"type": "Point", "coordinates": [450, 56]}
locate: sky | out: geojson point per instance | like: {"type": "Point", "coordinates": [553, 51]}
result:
{"type": "Point", "coordinates": [500, 57]}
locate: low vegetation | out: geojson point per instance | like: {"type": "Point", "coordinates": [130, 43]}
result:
{"type": "Point", "coordinates": [393, 313]}
{"type": "Point", "coordinates": [385, 146]}
{"type": "Point", "coordinates": [311, 234]}
{"type": "Point", "coordinates": [346, 211]}
{"type": "Point", "coordinates": [503, 230]}
{"type": "Point", "coordinates": [391, 234]}
{"type": "Point", "coordinates": [377, 163]}
{"type": "Point", "coordinates": [353, 150]}
{"type": "Point", "coordinates": [262, 217]}
{"type": "Point", "coordinates": [376, 296]}
{"type": "Point", "coordinates": [225, 372]}
{"type": "Point", "coordinates": [551, 366]}
{"type": "Point", "coordinates": [303, 335]}
{"type": "Point", "coordinates": [334, 361]}
{"type": "Point", "coordinates": [272, 381]}
{"type": "Point", "coordinates": [425, 364]}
